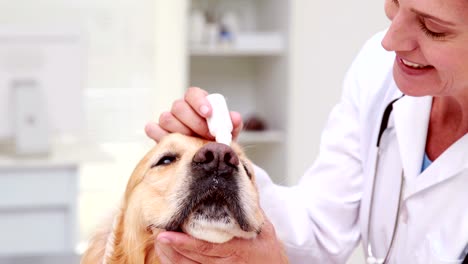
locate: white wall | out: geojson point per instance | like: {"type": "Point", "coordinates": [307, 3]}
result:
{"type": "Point", "coordinates": [170, 52]}
{"type": "Point", "coordinates": [119, 34]}
{"type": "Point", "coordinates": [325, 37]}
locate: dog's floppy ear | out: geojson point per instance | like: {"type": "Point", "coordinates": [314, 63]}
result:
{"type": "Point", "coordinates": [97, 244]}
{"type": "Point", "coordinates": [138, 174]}
{"type": "Point", "coordinates": [95, 252]}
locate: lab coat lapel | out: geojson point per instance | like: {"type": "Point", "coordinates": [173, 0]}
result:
{"type": "Point", "coordinates": [452, 162]}
{"type": "Point", "coordinates": [411, 117]}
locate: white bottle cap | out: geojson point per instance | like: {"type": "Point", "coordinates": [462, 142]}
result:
{"type": "Point", "coordinates": [220, 124]}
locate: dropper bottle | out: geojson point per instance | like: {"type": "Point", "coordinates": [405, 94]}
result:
{"type": "Point", "coordinates": [220, 124]}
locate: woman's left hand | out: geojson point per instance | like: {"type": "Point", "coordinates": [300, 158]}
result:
{"type": "Point", "coordinates": [179, 248]}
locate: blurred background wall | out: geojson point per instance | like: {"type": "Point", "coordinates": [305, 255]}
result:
{"type": "Point", "coordinates": [139, 58]}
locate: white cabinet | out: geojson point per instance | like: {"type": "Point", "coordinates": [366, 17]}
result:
{"type": "Point", "coordinates": [251, 70]}
{"type": "Point", "coordinates": [38, 209]}
{"type": "Point", "coordinates": [39, 200]}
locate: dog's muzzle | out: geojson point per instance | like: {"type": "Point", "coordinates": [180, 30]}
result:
{"type": "Point", "coordinates": [214, 189]}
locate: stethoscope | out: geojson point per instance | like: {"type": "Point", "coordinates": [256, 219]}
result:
{"type": "Point", "coordinates": [371, 258]}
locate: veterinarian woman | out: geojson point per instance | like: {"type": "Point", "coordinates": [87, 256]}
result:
{"type": "Point", "coordinates": [393, 166]}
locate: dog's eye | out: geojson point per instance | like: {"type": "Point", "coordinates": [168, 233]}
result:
{"type": "Point", "coordinates": [247, 171]}
{"type": "Point", "coordinates": [165, 160]}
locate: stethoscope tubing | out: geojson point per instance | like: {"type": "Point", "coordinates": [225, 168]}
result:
{"type": "Point", "coordinates": [383, 126]}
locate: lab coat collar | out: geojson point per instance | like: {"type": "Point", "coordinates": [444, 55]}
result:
{"type": "Point", "coordinates": [411, 117]}
{"type": "Point", "coordinates": [452, 162]}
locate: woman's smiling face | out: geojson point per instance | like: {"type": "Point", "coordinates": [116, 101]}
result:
{"type": "Point", "coordinates": [430, 40]}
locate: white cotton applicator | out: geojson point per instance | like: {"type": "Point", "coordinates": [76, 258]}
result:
{"type": "Point", "coordinates": [220, 124]}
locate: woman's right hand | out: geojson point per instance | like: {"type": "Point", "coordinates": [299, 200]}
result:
{"type": "Point", "coordinates": [188, 116]}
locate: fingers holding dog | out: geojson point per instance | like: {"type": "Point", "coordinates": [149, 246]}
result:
{"type": "Point", "coordinates": [265, 248]}
{"type": "Point", "coordinates": [185, 248]}
{"type": "Point", "coordinates": [168, 123]}
{"type": "Point", "coordinates": [196, 98]}
{"type": "Point", "coordinates": [155, 131]}
{"type": "Point", "coordinates": [197, 249]}
{"type": "Point", "coordinates": [190, 118]}
{"type": "Point", "coordinates": [167, 255]}
{"type": "Point", "coordinates": [237, 124]}
{"type": "Point", "coordinates": [171, 123]}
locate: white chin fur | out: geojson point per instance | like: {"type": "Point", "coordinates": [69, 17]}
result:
{"type": "Point", "coordinates": [215, 231]}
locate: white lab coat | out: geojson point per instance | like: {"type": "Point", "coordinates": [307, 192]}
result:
{"type": "Point", "coordinates": [324, 217]}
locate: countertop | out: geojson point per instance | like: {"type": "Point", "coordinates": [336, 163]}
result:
{"type": "Point", "coordinates": [59, 259]}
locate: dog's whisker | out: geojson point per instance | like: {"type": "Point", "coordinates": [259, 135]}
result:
{"type": "Point", "coordinates": [248, 146]}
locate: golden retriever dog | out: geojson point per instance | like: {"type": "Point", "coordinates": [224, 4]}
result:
{"type": "Point", "coordinates": [202, 188]}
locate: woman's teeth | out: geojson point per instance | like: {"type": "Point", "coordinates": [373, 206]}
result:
{"type": "Point", "coordinates": [412, 64]}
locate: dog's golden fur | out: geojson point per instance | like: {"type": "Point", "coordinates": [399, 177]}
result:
{"type": "Point", "coordinates": [157, 191]}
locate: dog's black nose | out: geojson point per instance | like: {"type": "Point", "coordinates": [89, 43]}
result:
{"type": "Point", "coordinates": [216, 157]}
